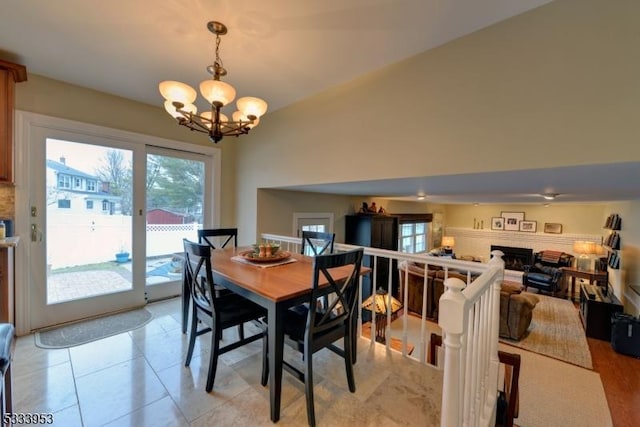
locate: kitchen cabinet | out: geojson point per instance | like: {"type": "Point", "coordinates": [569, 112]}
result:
{"type": "Point", "coordinates": [10, 74]}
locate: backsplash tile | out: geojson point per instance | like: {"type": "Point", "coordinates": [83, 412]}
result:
{"type": "Point", "coordinates": [7, 201]}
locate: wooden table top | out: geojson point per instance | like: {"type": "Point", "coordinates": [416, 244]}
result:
{"type": "Point", "coordinates": [276, 283]}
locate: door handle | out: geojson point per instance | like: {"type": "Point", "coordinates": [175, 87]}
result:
{"type": "Point", "coordinates": [36, 235]}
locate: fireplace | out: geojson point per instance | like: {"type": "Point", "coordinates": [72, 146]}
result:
{"type": "Point", "coordinates": [515, 258]}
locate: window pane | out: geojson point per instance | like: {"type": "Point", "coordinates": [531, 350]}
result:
{"type": "Point", "coordinates": [420, 228]}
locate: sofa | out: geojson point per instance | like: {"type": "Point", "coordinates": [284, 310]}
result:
{"type": "Point", "coordinates": [415, 283]}
{"type": "Point", "coordinates": [516, 306]}
{"type": "Point", "coordinates": [516, 310]}
{"type": "Point", "coordinates": [546, 272]}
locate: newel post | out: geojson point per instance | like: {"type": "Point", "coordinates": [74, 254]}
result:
{"type": "Point", "coordinates": [452, 320]}
{"type": "Point", "coordinates": [496, 261]}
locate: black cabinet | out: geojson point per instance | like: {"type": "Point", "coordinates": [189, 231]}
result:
{"type": "Point", "coordinates": [375, 231]}
{"type": "Point", "coordinates": [596, 311]}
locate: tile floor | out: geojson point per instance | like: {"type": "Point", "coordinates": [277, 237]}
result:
{"type": "Point", "coordinates": [138, 379]}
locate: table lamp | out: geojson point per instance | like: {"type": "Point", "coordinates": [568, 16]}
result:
{"type": "Point", "coordinates": [379, 302]}
{"type": "Point", "coordinates": [585, 249]}
{"type": "Point", "coordinates": [448, 242]}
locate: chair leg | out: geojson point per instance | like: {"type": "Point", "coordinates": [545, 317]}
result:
{"type": "Point", "coordinates": [308, 386]}
{"type": "Point", "coordinates": [192, 335]}
{"type": "Point", "coordinates": [216, 335]}
{"type": "Point", "coordinates": [348, 363]}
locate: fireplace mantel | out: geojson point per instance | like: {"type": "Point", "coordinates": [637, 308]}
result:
{"type": "Point", "coordinates": [470, 241]}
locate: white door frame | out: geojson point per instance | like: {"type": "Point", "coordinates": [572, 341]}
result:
{"type": "Point", "coordinates": [26, 124]}
{"type": "Point", "coordinates": [297, 216]}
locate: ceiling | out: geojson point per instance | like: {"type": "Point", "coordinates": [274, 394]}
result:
{"type": "Point", "coordinates": [282, 51]}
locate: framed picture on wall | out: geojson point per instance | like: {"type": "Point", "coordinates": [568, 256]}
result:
{"type": "Point", "coordinates": [512, 220]}
{"type": "Point", "coordinates": [529, 226]}
{"type": "Point", "coordinates": [553, 228]}
{"type": "Point", "coordinates": [497, 223]}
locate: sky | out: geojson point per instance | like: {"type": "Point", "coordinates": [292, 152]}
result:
{"type": "Point", "coordinates": [84, 157]}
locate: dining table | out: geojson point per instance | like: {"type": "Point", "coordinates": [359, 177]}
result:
{"type": "Point", "coordinates": [276, 287]}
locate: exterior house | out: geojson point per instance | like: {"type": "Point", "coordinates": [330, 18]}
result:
{"type": "Point", "coordinates": [164, 216]}
{"type": "Point", "coordinates": [75, 191]}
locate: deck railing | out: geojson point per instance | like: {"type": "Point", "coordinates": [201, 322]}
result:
{"type": "Point", "coordinates": [469, 321]}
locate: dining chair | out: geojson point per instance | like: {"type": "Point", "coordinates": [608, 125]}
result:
{"type": "Point", "coordinates": [316, 243]}
{"type": "Point", "coordinates": [309, 327]}
{"type": "Point", "coordinates": [7, 347]}
{"type": "Point", "coordinates": [508, 402]}
{"type": "Point", "coordinates": [211, 237]}
{"type": "Point", "coordinates": [215, 312]}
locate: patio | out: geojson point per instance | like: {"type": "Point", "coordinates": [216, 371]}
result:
{"type": "Point", "coordinates": [99, 279]}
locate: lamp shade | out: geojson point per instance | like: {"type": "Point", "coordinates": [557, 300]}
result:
{"type": "Point", "coordinates": [217, 91]}
{"type": "Point", "coordinates": [250, 105]}
{"type": "Point", "coordinates": [584, 247]}
{"type": "Point", "coordinates": [380, 301]}
{"type": "Point", "coordinates": [448, 241]}
{"type": "Point", "coordinates": [177, 92]}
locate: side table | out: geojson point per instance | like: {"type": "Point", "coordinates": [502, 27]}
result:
{"type": "Point", "coordinates": [571, 273]}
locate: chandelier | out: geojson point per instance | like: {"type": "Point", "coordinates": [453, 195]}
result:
{"type": "Point", "coordinates": [180, 98]}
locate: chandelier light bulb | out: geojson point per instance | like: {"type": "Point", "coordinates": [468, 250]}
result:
{"type": "Point", "coordinates": [251, 106]}
{"type": "Point", "coordinates": [177, 92]}
{"type": "Point", "coordinates": [217, 91]}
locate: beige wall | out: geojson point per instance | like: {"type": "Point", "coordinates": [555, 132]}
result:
{"type": "Point", "coordinates": [575, 218]}
{"type": "Point", "coordinates": [546, 88]}
{"type": "Point", "coordinates": [281, 205]}
{"type": "Point", "coordinates": [58, 99]}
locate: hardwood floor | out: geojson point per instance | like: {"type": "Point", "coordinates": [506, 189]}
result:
{"type": "Point", "coordinates": [620, 376]}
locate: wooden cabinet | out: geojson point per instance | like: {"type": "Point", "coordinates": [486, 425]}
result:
{"type": "Point", "coordinates": [375, 231]}
{"type": "Point", "coordinates": [10, 74]}
{"type": "Point", "coordinates": [596, 311]}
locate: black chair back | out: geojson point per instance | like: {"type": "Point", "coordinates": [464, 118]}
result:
{"type": "Point", "coordinates": [207, 236]}
{"type": "Point", "coordinates": [316, 243]}
{"type": "Point", "coordinates": [342, 294]}
{"type": "Point", "coordinates": [198, 273]}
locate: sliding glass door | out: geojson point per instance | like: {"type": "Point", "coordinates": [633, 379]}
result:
{"type": "Point", "coordinates": [82, 226]}
{"type": "Point", "coordinates": [175, 195]}
{"type": "Point", "coordinates": [104, 218]}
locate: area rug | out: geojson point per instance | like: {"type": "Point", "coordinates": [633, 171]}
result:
{"type": "Point", "coordinates": [556, 331]}
{"type": "Point", "coordinates": [94, 329]}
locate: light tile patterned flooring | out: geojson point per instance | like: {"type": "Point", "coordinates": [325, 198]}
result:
{"type": "Point", "coordinates": [139, 379]}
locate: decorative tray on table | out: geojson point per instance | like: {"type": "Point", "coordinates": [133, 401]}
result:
{"type": "Point", "coordinates": [254, 256]}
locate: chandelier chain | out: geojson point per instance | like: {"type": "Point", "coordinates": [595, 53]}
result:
{"type": "Point", "coordinates": [218, 62]}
